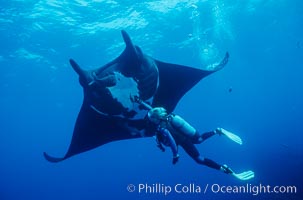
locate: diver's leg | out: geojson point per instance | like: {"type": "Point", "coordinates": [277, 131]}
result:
{"type": "Point", "coordinates": [207, 162]}
{"type": "Point", "coordinates": [193, 152]}
{"type": "Point", "coordinates": [207, 135]}
{"type": "Point", "coordinates": [199, 138]}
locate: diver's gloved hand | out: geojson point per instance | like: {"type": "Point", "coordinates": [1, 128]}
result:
{"type": "Point", "coordinates": [226, 169]}
{"type": "Point", "coordinates": [176, 159]}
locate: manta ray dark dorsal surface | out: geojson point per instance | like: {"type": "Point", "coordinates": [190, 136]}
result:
{"type": "Point", "coordinates": [108, 114]}
{"type": "Point", "coordinates": [176, 80]}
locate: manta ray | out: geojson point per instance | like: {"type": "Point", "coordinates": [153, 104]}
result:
{"type": "Point", "coordinates": [108, 113]}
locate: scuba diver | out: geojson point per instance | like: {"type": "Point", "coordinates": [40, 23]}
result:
{"type": "Point", "coordinates": [172, 130]}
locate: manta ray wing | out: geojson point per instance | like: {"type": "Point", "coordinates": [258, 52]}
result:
{"type": "Point", "coordinates": [176, 80]}
{"type": "Point", "coordinates": [92, 130]}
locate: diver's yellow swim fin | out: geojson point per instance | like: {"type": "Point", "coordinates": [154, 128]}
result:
{"type": "Point", "coordinates": [230, 135]}
{"type": "Point", "coordinates": [245, 175]}
{"type": "Point", "coordinates": [241, 176]}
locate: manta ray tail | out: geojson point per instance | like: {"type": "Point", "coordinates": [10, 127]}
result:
{"type": "Point", "coordinates": [52, 159]}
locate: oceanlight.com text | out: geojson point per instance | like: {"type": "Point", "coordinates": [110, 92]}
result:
{"type": "Point", "coordinates": [251, 189]}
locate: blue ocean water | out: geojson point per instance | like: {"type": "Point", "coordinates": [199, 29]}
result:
{"type": "Point", "coordinates": [258, 95]}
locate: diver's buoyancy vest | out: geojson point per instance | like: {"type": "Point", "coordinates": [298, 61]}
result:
{"type": "Point", "coordinates": [182, 126]}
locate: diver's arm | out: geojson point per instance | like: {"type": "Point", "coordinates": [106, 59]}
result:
{"type": "Point", "coordinates": [137, 99]}
{"type": "Point", "coordinates": [159, 145]}
{"type": "Point", "coordinates": [171, 142]}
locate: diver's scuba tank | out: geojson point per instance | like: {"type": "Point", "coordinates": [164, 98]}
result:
{"type": "Point", "coordinates": [182, 126]}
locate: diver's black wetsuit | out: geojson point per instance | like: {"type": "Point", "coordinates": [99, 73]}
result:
{"type": "Point", "coordinates": [188, 144]}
